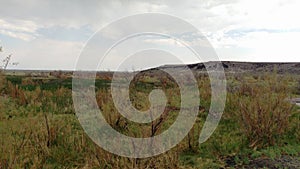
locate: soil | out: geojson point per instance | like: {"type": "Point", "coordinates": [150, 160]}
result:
{"type": "Point", "coordinates": [283, 162]}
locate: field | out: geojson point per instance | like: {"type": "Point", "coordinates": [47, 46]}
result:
{"type": "Point", "coordinates": [259, 127]}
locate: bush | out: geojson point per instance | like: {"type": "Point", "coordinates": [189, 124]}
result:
{"type": "Point", "coordinates": [264, 110]}
{"type": "Point", "coordinates": [2, 81]}
{"type": "Point", "coordinates": [298, 87]}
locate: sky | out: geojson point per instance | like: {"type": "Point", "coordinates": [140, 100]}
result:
{"type": "Point", "coordinates": [50, 34]}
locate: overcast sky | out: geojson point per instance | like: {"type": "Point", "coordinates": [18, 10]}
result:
{"type": "Point", "coordinates": [49, 34]}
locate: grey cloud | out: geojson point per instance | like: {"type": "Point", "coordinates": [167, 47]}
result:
{"type": "Point", "coordinates": [222, 21]}
{"type": "Point", "coordinates": [76, 13]}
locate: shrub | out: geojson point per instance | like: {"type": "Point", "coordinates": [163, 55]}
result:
{"type": "Point", "coordinates": [298, 88]}
{"type": "Point", "coordinates": [263, 109]}
{"type": "Point", "coordinates": [2, 81]}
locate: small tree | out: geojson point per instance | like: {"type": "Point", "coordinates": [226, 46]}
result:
{"type": "Point", "coordinates": [3, 66]}
{"type": "Point", "coordinates": [2, 79]}
{"type": "Point", "coordinates": [6, 61]}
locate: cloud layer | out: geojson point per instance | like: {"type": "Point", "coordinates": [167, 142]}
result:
{"type": "Point", "coordinates": [49, 34]}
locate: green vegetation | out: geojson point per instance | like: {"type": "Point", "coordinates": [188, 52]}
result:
{"type": "Point", "coordinates": [39, 128]}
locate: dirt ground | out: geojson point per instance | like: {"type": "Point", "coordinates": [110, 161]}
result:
{"type": "Point", "coordinates": [284, 162]}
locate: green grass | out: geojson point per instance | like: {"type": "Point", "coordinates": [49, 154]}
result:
{"type": "Point", "coordinates": [24, 133]}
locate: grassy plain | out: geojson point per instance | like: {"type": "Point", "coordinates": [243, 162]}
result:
{"type": "Point", "coordinates": [259, 127]}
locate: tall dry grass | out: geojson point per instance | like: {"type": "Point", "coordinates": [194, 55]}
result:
{"type": "Point", "coordinates": [48, 135]}
{"type": "Point", "coordinates": [263, 109]}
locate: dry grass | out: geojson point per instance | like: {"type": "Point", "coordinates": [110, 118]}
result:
{"type": "Point", "coordinates": [263, 109]}
{"type": "Point", "coordinates": [41, 130]}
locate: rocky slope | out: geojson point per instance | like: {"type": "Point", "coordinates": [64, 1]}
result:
{"type": "Point", "coordinates": [241, 67]}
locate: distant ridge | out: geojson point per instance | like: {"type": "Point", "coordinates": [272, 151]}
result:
{"type": "Point", "coordinates": [242, 67]}
{"type": "Point", "coordinates": [229, 67]}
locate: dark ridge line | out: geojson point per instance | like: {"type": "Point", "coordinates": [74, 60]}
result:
{"type": "Point", "coordinates": [225, 64]}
